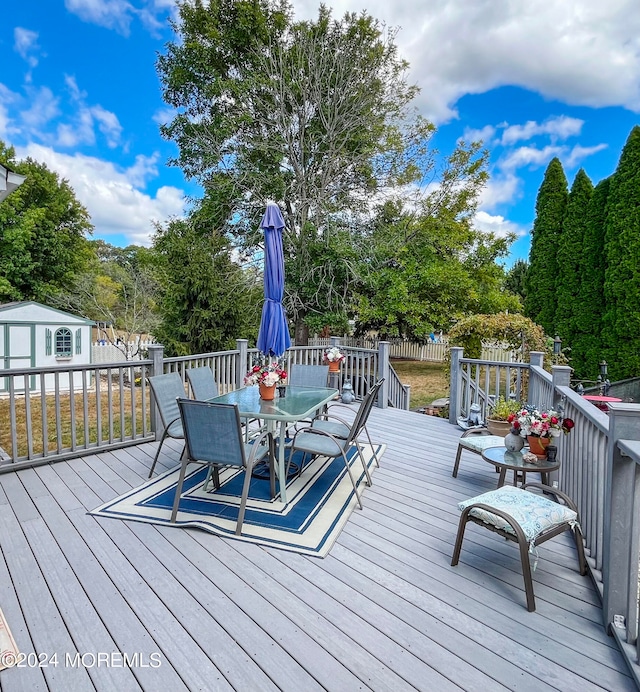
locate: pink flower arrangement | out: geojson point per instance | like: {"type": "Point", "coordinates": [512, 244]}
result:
{"type": "Point", "coordinates": [531, 421]}
{"type": "Point", "coordinates": [268, 374]}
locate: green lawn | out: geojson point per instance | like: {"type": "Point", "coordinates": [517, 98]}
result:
{"type": "Point", "coordinates": [428, 380]}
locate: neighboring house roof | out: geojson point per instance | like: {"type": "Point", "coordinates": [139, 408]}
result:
{"type": "Point", "coordinates": [9, 181]}
{"type": "Point", "coordinates": [30, 311]}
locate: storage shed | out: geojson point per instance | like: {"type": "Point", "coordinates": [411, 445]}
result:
{"type": "Point", "coordinates": [33, 335]}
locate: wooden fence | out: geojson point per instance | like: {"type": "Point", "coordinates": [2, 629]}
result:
{"type": "Point", "coordinates": [430, 351]}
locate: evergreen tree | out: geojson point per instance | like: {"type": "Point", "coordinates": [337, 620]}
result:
{"type": "Point", "coordinates": [515, 279]}
{"type": "Point", "coordinates": [540, 302]}
{"type": "Point", "coordinates": [570, 259]}
{"type": "Point", "coordinates": [587, 348]}
{"type": "Point", "coordinates": [206, 300]}
{"type": "Point", "coordinates": [621, 324]}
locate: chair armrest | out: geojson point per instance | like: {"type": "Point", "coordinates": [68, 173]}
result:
{"type": "Point", "coordinates": [255, 445]}
{"type": "Point", "coordinates": [328, 416]}
{"type": "Point", "coordinates": [476, 431]}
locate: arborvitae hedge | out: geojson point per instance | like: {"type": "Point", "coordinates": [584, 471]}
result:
{"type": "Point", "coordinates": [587, 348]}
{"type": "Point", "coordinates": [540, 303]}
{"type": "Point", "coordinates": [621, 323]}
{"type": "Point", "coordinates": [570, 259]}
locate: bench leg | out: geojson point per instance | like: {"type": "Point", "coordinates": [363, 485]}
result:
{"type": "Point", "coordinates": [526, 573]}
{"type": "Point", "coordinates": [455, 558]}
{"type": "Point", "coordinates": [457, 462]}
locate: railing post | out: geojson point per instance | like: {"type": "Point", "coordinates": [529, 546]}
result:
{"type": "Point", "coordinates": [156, 355]}
{"type": "Point", "coordinates": [455, 384]}
{"type": "Point", "coordinates": [242, 366]}
{"type": "Point", "coordinates": [561, 377]}
{"type": "Point", "coordinates": [383, 371]}
{"type": "Point", "coordinates": [619, 496]}
{"type": "Point", "coordinates": [334, 341]}
{"type": "Point", "coordinates": [536, 358]}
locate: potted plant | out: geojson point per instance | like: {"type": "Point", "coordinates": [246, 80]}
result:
{"type": "Point", "coordinates": [498, 422]}
{"type": "Point", "coordinates": [540, 427]}
{"type": "Point", "coordinates": [334, 356]}
{"type": "Point", "coordinates": [266, 376]}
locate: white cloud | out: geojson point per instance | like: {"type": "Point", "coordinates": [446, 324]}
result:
{"type": "Point", "coordinates": [560, 127]}
{"type": "Point", "coordinates": [44, 107]}
{"type": "Point", "coordinates": [112, 14]}
{"type": "Point", "coordinates": [501, 189]}
{"type": "Point", "coordinates": [7, 99]}
{"type": "Point", "coordinates": [578, 154]}
{"type": "Point", "coordinates": [26, 41]}
{"type": "Point", "coordinates": [497, 225]}
{"type": "Point", "coordinates": [530, 156]}
{"type": "Point", "coordinates": [164, 115]}
{"type": "Point", "coordinates": [118, 14]}
{"type": "Point", "coordinates": [485, 134]}
{"type": "Point", "coordinates": [113, 197]}
{"type": "Point", "coordinates": [108, 124]}
{"type": "Point", "coordinates": [81, 123]}
{"type": "Point", "coordinates": [582, 53]}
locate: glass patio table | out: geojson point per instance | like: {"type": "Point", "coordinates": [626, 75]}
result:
{"type": "Point", "coordinates": [298, 403]}
{"type": "Point", "coordinates": [505, 460]}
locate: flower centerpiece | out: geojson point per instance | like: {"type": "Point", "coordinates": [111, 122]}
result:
{"type": "Point", "coordinates": [266, 376]}
{"type": "Point", "coordinates": [334, 356]}
{"type": "Point", "coordinates": [539, 427]}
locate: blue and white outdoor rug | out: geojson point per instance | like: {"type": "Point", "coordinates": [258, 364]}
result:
{"type": "Point", "coordinates": [319, 503]}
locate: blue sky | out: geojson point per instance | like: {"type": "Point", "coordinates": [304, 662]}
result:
{"type": "Point", "coordinates": [533, 78]}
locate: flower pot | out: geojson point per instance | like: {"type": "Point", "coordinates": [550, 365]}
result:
{"type": "Point", "coordinates": [334, 366]}
{"type": "Point", "coordinates": [538, 445]}
{"type": "Point", "coordinates": [267, 393]}
{"type": "Point", "coordinates": [498, 427]}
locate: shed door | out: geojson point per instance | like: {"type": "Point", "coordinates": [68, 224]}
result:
{"type": "Point", "coordinates": [18, 351]}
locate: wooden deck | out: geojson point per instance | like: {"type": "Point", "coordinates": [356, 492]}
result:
{"type": "Point", "coordinates": [384, 611]}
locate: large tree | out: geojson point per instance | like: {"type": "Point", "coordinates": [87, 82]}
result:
{"type": "Point", "coordinates": [426, 272]}
{"type": "Point", "coordinates": [587, 347]}
{"type": "Point", "coordinates": [540, 302]}
{"type": "Point", "coordinates": [43, 230]}
{"type": "Point", "coordinates": [621, 323]}
{"type": "Point", "coordinates": [311, 114]}
{"type": "Point", "coordinates": [570, 259]}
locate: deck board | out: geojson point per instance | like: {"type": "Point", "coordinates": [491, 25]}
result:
{"type": "Point", "coordinates": [383, 611]}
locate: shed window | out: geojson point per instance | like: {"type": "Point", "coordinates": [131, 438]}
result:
{"type": "Point", "coordinates": [63, 342]}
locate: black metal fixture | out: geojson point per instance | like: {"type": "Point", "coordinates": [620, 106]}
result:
{"type": "Point", "coordinates": [557, 346]}
{"type": "Point", "coordinates": [603, 380]}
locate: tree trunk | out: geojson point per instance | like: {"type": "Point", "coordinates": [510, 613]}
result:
{"type": "Point", "coordinates": [302, 333]}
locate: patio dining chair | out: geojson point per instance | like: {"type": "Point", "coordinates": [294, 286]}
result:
{"type": "Point", "coordinates": [202, 382]}
{"type": "Point", "coordinates": [317, 442]}
{"type": "Point", "coordinates": [336, 426]}
{"type": "Point", "coordinates": [213, 437]}
{"type": "Point", "coordinates": [308, 375]}
{"type": "Point", "coordinates": [166, 390]}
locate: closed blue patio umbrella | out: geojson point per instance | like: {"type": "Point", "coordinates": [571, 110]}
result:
{"type": "Point", "coordinates": [273, 337]}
